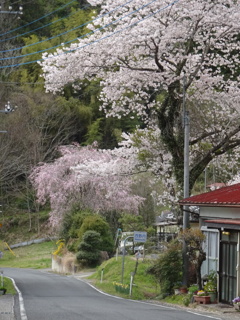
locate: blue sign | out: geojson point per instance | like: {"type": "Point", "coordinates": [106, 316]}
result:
{"type": "Point", "coordinates": [140, 236]}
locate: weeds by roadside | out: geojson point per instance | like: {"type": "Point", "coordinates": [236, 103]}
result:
{"type": "Point", "coordinates": [8, 285]}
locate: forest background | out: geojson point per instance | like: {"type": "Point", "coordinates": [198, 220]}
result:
{"type": "Point", "coordinates": [41, 122]}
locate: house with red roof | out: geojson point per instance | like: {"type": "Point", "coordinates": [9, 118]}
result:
{"type": "Point", "coordinates": [219, 219]}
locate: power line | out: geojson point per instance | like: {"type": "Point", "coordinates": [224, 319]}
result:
{"type": "Point", "coordinates": [98, 40]}
{"type": "Point", "coordinates": [53, 37]}
{"type": "Point", "coordinates": [44, 26]}
{"type": "Point", "coordinates": [59, 45]}
{"type": "Point", "coordinates": [10, 31]}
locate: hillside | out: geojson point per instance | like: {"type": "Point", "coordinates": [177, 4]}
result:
{"type": "Point", "coordinates": [36, 256]}
{"type": "Point", "coordinates": [21, 227]}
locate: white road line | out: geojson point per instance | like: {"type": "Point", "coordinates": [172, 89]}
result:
{"type": "Point", "coordinates": [21, 303]}
{"type": "Point", "coordinates": [136, 301]}
{"type": "Point", "coordinates": [152, 304]}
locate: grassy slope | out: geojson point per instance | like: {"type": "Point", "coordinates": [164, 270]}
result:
{"type": "Point", "coordinates": [34, 256]}
{"type": "Point", "coordinates": [144, 287]}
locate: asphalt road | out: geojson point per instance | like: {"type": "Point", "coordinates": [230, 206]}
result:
{"type": "Point", "coordinates": [47, 296]}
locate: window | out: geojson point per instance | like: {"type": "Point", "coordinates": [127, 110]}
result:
{"type": "Point", "coordinates": [211, 247]}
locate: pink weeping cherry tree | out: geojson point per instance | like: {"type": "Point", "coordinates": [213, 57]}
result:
{"type": "Point", "coordinates": [95, 179]}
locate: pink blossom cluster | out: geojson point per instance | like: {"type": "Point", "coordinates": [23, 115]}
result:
{"type": "Point", "coordinates": [91, 178]}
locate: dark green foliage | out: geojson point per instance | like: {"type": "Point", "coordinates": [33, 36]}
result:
{"type": "Point", "coordinates": [106, 131]}
{"type": "Point", "coordinates": [89, 248]}
{"type": "Point", "coordinates": [112, 218]}
{"type": "Point", "coordinates": [98, 224]}
{"type": "Point", "coordinates": [76, 223]}
{"type": "Point", "coordinates": [168, 268]}
{"type": "Point", "coordinates": [72, 223]}
{"type": "Point", "coordinates": [131, 222]}
{"type": "Point", "coordinates": [194, 239]}
{"type": "Point", "coordinates": [33, 10]}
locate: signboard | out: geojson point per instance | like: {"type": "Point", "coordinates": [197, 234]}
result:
{"type": "Point", "coordinates": [140, 236]}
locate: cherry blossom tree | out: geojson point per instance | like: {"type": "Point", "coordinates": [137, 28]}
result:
{"type": "Point", "coordinates": [234, 180]}
{"type": "Point", "coordinates": [147, 55]}
{"type": "Point", "coordinates": [95, 179]}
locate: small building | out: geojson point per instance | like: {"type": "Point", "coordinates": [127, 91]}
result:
{"type": "Point", "coordinates": [166, 226]}
{"type": "Point", "coordinates": [219, 219]}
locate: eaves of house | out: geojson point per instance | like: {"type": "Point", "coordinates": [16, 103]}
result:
{"type": "Point", "coordinates": [224, 197]}
{"type": "Point", "coordinates": [226, 223]}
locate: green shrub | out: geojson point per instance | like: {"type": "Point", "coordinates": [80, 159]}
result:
{"type": "Point", "coordinates": [168, 268]}
{"type": "Point", "coordinates": [72, 223]}
{"type": "Point", "coordinates": [89, 252]}
{"type": "Point", "coordinates": [76, 223]}
{"type": "Point", "coordinates": [186, 300]}
{"type": "Point", "coordinates": [211, 285]}
{"type": "Point", "coordinates": [98, 224]}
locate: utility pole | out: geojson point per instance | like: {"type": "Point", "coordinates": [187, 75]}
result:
{"type": "Point", "coordinates": [186, 126]}
{"type": "Point", "coordinates": [205, 179]}
{"type": "Point", "coordinates": [186, 169]}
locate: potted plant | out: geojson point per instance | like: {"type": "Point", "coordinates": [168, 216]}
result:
{"type": "Point", "coordinates": [2, 290]}
{"type": "Point", "coordinates": [176, 287]}
{"type": "Point", "coordinates": [183, 289]}
{"type": "Point", "coordinates": [202, 297]}
{"type": "Point", "coordinates": [236, 303]}
{"type": "Point", "coordinates": [211, 291]}
{"type": "Point", "coordinates": [211, 286]}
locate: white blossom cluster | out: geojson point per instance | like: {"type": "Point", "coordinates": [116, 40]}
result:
{"type": "Point", "coordinates": [123, 54]}
{"type": "Point", "coordinates": [139, 49]}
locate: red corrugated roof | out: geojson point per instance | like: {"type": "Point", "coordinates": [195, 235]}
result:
{"type": "Point", "coordinates": [225, 197]}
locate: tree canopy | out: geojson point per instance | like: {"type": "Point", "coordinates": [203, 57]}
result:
{"type": "Point", "coordinates": [146, 57]}
{"type": "Point", "coordinates": [88, 176]}
{"type": "Point", "coordinates": [135, 61]}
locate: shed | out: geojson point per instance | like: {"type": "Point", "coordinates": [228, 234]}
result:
{"type": "Point", "coordinates": [219, 219]}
